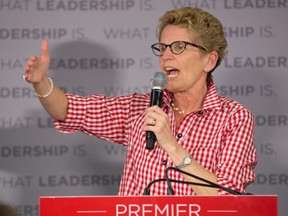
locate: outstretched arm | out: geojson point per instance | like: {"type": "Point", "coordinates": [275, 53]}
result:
{"type": "Point", "coordinates": [52, 98]}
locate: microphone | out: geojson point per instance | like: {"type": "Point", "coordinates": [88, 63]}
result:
{"type": "Point", "coordinates": [157, 85]}
{"type": "Point", "coordinates": [170, 190]}
{"type": "Point", "coordinates": [147, 189]}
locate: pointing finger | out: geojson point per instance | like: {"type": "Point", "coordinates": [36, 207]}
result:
{"type": "Point", "coordinates": [44, 48]}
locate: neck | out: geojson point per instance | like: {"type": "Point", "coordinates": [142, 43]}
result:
{"type": "Point", "coordinates": [184, 103]}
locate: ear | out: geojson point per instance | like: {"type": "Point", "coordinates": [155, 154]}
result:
{"type": "Point", "coordinates": [212, 59]}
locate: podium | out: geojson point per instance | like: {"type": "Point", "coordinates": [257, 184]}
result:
{"type": "Point", "coordinates": [159, 205]}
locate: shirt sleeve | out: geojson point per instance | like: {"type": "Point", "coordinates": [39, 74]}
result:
{"type": "Point", "coordinates": [237, 157]}
{"type": "Point", "coordinates": [97, 116]}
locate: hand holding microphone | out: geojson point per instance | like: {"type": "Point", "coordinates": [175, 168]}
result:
{"type": "Point", "coordinates": [157, 85]}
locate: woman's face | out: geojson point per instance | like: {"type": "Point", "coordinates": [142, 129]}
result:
{"type": "Point", "coordinates": [186, 71]}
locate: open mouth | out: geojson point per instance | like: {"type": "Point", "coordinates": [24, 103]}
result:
{"type": "Point", "coordinates": [171, 72]}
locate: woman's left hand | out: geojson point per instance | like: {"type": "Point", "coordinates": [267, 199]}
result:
{"type": "Point", "coordinates": [156, 120]}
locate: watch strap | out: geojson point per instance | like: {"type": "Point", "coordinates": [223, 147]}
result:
{"type": "Point", "coordinates": [186, 162]}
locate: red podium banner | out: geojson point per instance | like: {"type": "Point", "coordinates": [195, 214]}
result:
{"type": "Point", "coordinates": [159, 205]}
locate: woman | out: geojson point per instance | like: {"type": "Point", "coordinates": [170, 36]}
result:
{"type": "Point", "coordinates": [197, 131]}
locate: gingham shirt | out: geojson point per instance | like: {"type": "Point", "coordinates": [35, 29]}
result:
{"type": "Point", "coordinates": [219, 137]}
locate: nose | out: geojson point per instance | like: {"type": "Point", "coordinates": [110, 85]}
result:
{"type": "Point", "coordinates": [167, 54]}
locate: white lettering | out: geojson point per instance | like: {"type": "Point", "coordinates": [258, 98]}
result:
{"type": "Point", "coordinates": [121, 209]}
{"type": "Point", "coordinates": [149, 209]}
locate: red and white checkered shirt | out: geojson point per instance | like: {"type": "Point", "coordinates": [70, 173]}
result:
{"type": "Point", "coordinates": [220, 137]}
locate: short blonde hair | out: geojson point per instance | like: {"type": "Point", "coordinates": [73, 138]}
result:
{"type": "Point", "coordinates": [204, 27]}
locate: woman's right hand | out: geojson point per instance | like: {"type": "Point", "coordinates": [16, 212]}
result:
{"type": "Point", "coordinates": [36, 67]}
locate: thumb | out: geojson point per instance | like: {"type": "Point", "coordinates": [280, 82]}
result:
{"type": "Point", "coordinates": [44, 49]}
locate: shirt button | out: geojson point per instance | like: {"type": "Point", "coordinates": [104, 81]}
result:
{"type": "Point", "coordinates": [200, 112]}
{"type": "Point", "coordinates": [164, 162]}
{"type": "Point", "coordinates": [179, 135]}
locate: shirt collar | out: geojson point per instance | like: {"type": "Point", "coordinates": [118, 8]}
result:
{"type": "Point", "coordinates": [211, 100]}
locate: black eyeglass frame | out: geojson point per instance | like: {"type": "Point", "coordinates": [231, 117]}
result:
{"type": "Point", "coordinates": [170, 46]}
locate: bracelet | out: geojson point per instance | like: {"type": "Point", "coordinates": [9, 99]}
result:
{"type": "Point", "coordinates": [50, 91]}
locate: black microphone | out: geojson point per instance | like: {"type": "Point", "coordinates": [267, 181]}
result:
{"type": "Point", "coordinates": [210, 184]}
{"type": "Point", "coordinates": [147, 189]}
{"type": "Point", "coordinates": [157, 85]}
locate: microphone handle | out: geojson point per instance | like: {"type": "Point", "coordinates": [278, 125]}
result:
{"type": "Point", "coordinates": [155, 99]}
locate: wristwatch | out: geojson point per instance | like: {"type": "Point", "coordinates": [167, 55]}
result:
{"type": "Point", "coordinates": [186, 162]}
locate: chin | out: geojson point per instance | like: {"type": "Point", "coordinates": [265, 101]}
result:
{"type": "Point", "coordinates": [169, 88]}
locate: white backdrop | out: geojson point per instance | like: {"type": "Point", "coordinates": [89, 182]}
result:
{"type": "Point", "coordinates": [102, 46]}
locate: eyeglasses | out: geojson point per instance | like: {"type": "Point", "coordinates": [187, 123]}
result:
{"type": "Point", "coordinates": [177, 47]}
